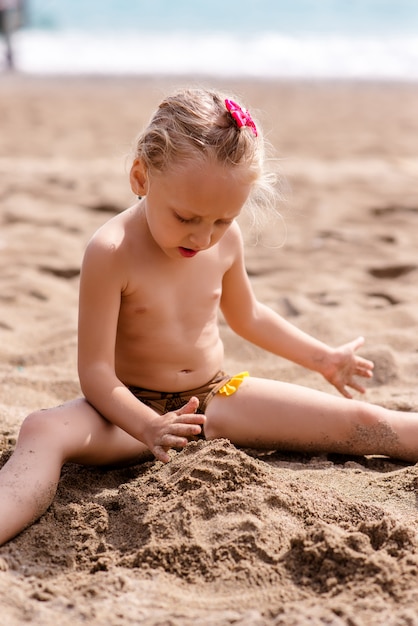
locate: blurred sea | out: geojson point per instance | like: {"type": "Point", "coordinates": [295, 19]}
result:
{"type": "Point", "coordinates": [351, 39]}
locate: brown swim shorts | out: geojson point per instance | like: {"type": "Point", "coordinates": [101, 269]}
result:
{"type": "Point", "coordinates": [163, 401]}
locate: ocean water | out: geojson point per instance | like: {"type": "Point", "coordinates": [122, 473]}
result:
{"type": "Point", "coordinates": [354, 39]}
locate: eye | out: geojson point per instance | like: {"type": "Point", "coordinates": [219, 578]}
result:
{"type": "Point", "coordinates": [182, 219]}
{"type": "Point", "coordinates": [224, 222]}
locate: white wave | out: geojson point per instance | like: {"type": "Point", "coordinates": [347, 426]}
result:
{"type": "Point", "coordinates": [272, 55]}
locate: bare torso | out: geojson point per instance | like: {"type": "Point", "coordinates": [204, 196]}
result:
{"type": "Point", "coordinates": [167, 334]}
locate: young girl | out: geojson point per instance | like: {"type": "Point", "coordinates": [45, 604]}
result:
{"type": "Point", "coordinates": [150, 355]}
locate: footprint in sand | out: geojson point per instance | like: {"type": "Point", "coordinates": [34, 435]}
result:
{"type": "Point", "coordinates": [106, 207]}
{"type": "Point", "coordinates": [392, 271]}
{"type": "Point", "coordinates": [384, 298]}
{"type": "Point", "coordinates": [393, 208]}
{"type": "Point", "coordinates": [64, 272]}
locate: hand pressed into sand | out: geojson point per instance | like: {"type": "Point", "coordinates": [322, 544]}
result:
{"type": "Point", "coordinates": [344, 364]}
{"type": "Point", "coordinates": [174, 429]}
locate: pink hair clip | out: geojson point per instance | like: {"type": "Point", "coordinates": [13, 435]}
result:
{"type": "Point", "coordinates": [241, 116]}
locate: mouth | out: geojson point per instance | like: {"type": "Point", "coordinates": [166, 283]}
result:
{"type": "Point", "coordinates": [187, 252]}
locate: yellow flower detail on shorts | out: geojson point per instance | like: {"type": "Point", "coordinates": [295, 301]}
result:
{"type": "Point", "coordinates": [233, 383]}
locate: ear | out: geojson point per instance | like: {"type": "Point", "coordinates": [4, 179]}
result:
{"type": "Point", "coordinates": [139, 178]}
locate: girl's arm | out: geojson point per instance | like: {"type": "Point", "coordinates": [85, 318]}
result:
{"type": "Point", "coordinates": [267, 329]}
{"type": "Point", "coordinates": [101, 286]}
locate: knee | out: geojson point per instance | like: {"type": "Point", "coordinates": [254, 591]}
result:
{"type": "Point", "coordinates": [368, 416]}
{"type": "Point", "coordinates": [213, 427]}
{"type": "Point", "coordinates": [38, 424]}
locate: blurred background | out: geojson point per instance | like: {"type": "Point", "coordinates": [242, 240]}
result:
{"type": "Point", "coordinates": [354, 39]}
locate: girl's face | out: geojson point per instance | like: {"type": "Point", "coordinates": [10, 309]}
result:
{"type": "Point", "coordinates": [189, 209]}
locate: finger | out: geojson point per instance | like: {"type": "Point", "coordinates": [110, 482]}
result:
{"type": "Point", "coordinates": [190, 418]}
{"type": "Point", "coordinates": [356, 343]}
{"type": "Point", "coordinates": [190, 407]}
{"type": "Point", "coordinates": [350, 383]}
{"type": "Point", "coordinates": [365, 373]}
{"type": "Point", "coordinates": [365, 363]}
{"type": "Point", "coordinates": [161, 454]}
{"type": "Point", "coordinates": [341, 387]}
{"type": "Point", "coordinates": [344, 392]}
{"type": "Point", "coordinates": [354, 385]}
{"type": "Point", "coordinates": [173, 441]}
{"type": "Point", "coordinates": [169, 441]}
{"type": "Point", "coordinates": [185, 430]}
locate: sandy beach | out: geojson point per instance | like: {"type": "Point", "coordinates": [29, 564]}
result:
{"type": "Point", "coordinates": [220, 535]}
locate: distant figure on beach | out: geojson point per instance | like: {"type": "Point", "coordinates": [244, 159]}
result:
{"type": "Point", "coordinates": [11, 18]}
{"type": "Point", "coordinates": [150, 355]}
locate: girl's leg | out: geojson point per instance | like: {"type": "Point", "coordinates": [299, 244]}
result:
{"type": "Point", "coordinates": [49, 438]}
{"type": "Point", "coordinates": [270, 414]}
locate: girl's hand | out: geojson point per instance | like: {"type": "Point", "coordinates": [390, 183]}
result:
{"type": "Point", "coordinates": [344, 364]}
{"type": "Point", "coordinates": [174, 429]}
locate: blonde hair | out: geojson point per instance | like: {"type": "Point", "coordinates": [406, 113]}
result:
{"type": "Point", "coordinates": [195, 124]}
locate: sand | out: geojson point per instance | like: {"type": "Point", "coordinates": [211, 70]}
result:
{"type": "Point", "coordinates": [219, 535]}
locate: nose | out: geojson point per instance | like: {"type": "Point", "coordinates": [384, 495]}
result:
{"type": "Point", "coordinates": [201, 236]}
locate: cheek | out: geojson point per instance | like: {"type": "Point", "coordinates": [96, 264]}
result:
{"type": "Point", "coordinates": [165, 229]}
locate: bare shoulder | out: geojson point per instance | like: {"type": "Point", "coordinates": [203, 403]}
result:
{"type": "Point", "coordinates": [232, 242]}
{"type": "Point", "coordinates": [105, 253]}
{"type": "Point", "coordinates": [235, 233]}
{"type": "Point", "coordinates": [109, 241]}
{"type": "Point", "coordinates": [111, 234]}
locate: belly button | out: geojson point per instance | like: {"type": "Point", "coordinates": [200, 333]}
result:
{"type": "Point", "coordinates": [185, 371]}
